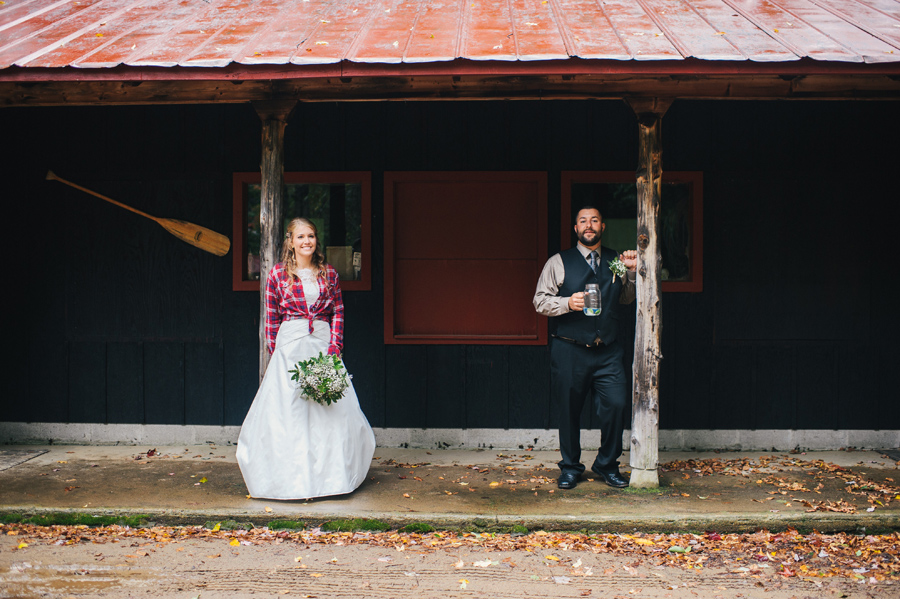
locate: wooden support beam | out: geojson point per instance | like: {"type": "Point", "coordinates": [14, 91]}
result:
{"type": "Point", "coordinates": [644, 457]}
{"type": "Point", "coordinates": [274, 116]}
{"type": "Point", "coordinates": [873, 86]}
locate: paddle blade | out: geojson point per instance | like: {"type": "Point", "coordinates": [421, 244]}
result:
{"type": "Point", "coordinates": [197, 236]}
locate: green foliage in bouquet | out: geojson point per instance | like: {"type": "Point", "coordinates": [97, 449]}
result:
{"type": "Point", "coordinates": [618, 268]}
{"type": "Point", "coordinates": [322, 379]}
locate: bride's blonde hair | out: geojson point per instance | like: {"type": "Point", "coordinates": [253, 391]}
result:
{"type": "Point", "coordinates": [287, 249]}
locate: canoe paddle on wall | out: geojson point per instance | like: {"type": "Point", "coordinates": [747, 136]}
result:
{"type": "Point", "coordinates": [197, 236]}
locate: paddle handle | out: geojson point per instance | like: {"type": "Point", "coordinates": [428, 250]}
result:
{"type": "Point", "coordinates": [51, 176]}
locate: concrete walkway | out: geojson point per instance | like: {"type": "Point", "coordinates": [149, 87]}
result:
{"type": "Point", "coordinates": [480, 489]}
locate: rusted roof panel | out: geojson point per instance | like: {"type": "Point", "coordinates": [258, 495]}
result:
{"type": "Point", "coordinates": [217, 33]}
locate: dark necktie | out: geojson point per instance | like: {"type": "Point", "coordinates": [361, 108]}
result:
{"type": "Point", "coordinates": [594, 261]}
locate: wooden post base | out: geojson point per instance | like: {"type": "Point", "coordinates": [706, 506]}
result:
{"type": "Point", "coordinates": [643, 479]}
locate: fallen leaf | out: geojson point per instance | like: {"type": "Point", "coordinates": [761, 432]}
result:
{"type": "Point", "coordinates": [463, 583]}
{"type": "Point", "coordinates": [234, 543]}
{"type": "Point", "coordinates": [482, 564]}
{"type": "Point", "coordinates": [551, 557]}
{"type": "Point", "coordinates": [268, 509]}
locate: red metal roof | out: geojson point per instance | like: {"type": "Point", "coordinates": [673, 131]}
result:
{"type": "Point", "coordinates": [216, 33]}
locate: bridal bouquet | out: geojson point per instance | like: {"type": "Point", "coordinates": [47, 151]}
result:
{"type": "Point", "coordinates": [322, 379]}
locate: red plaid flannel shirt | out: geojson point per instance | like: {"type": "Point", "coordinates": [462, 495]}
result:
{"type": "Point", "coordinates": [285, 301]}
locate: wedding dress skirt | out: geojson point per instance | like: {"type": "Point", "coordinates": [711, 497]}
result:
{"type": "Point", "coordinates": [294, 448]}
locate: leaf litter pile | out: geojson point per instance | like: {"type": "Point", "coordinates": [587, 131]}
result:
{"type": "Point", "coordinates": [769, 470]}
{"type": "Point", "coordinates": [864, 558]}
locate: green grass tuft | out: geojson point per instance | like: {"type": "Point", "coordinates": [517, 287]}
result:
{"type": "Point", "coordinates": [356, 524]}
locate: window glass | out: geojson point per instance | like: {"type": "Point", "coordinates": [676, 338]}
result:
{"type": "Point", "coordinates": [618, 201]}
{"type": "Point", "coordinates": [338, 204]}
{"type": "Point", "coordinates": [680, 219]}
{"type": "Point", "coordinates": [336, 210]}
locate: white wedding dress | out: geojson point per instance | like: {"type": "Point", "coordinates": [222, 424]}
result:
{"type": "Point", "coordinates": [294, 448]}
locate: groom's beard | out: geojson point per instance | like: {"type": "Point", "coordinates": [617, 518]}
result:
{"type": "Point", "coordinates": [592, 241]}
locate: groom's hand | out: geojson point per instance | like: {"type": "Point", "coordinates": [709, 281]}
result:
{"type": "Point", "coordinates": [576, 302]}
{"type": "Point", "coordinates": [629, 259]}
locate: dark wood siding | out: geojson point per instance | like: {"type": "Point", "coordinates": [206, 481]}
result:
{"type": "Point", "coordinates": [113, 320]}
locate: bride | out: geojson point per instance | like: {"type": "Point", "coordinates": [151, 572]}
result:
{"type": "Point", "coordinates": [291, 447]}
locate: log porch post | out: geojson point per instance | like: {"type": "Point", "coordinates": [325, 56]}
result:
{"type": "Point", "coordinates": [644, 457]}
{"type": "Point", "coordinates": [274, 116]}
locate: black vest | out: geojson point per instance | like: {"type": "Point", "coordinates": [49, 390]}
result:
{"type": "Point", "coordinates": [575, 325]}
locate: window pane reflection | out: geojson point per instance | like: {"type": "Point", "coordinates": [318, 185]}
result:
{"type": "Point", "coordinates": [618, 202]}
{"type": "Point", "coordinates": [336, 210]}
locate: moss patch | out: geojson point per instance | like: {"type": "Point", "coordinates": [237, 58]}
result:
{"type": "Point", "coordinates": [286, 525]}
{"type": "Point", "coordinates": [648, 491]}
{"type": "Point", "coordinates": [356, 524]}
{"type": "Point", "coordinates": [10, 518]}
{"type": "Point", "coordinates": [419, 527]}
{"type": "Point", "coordinates": [69, 519]}
{"type": "Point", "coordinates": [228, 525]}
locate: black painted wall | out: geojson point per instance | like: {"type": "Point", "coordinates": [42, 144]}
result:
{"type": "Point", "coordinates": [110, 319]}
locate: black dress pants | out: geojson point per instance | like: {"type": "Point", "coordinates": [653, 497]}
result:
{"type": "Point", "coordinates": [577, 371]}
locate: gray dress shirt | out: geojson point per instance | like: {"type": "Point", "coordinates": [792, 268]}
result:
{"type": "Point", "coordinates": [546, 297]}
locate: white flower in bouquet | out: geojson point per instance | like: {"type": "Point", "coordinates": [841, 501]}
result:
{"type": "Point", "coordinates": [322, 379]}
{"type": "Point", "coordinates": [618, 268]}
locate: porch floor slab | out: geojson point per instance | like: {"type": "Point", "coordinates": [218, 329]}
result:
{"type": "Point", "coordinates": [482, 489]}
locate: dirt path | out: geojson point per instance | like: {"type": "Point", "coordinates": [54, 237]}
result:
{"type": "Point", "coordinates": [211, 568]}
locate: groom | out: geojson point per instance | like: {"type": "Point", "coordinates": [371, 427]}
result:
{"type": "Point", "coordinates": [584, 354]}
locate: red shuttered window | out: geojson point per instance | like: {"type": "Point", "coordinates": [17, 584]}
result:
{"type": "Point", "coordinates": [463, 252]}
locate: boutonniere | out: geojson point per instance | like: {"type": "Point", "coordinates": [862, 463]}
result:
{"type": "Point", "coordinates": [618, 268]}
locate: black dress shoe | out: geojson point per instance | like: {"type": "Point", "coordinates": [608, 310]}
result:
{"type": "Point", "coordinates": [613, 479]}
{"type": "Point", "coordinates": [568, 480]}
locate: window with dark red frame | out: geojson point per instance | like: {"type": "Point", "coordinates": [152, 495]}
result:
{"type": "Point", "coordinates": [339, 203]}
{"type": "Point", "coordinates": [463, 252]}
{"type": "Point", "coordinates": [680, 215]}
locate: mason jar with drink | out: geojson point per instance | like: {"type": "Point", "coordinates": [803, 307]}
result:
{"type": "Point", "coordinates": [592, 299]}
